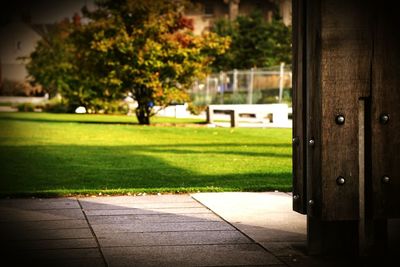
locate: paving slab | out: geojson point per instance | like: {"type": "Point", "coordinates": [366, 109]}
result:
{"type": "Point", "coordinates": [172, 238]}
{"type": "Point", "coordinates": [54, 257]}
{"type": "Point", "coordinates": [23, 234]}
{"type": "Point", "coordinates": [43, 225]}
{"type": "Point", "coordinates": [119, 206]}
{"type": "Point", "coordinates": [91, 262]}
{"type": "Point", "coordinates": [261, 216]}
{"type": "Point", "coordinates": [40, 204]}
{"type": "Point", "coordinates": [75, 253]}
{"type": "Point", "coordinates": [166, 230]}
{"type": "Point", "coordinates": [267, 218]}
{"type": "Point", "coordinates": [167, 198]}
{"type": "Point", "coordinates": [205, 229]}
{"type": "Point", "coordinates": [140, 227]}
{"type": "Point", "coordinates": [153, 218]}
{"type": "Point", "coordinates": [54, 244]}
{"type": "Point", "coordinates": [193, 255]}
{"type": "Point", "coordinates": [134, 211]}
{"type": "Point", "coordinates": [18, 214]}
{"type": "Point", "coordinates": [80, 262]}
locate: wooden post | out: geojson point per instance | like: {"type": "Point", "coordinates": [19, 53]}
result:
{"type": "Point", "coordinates": [210, 115]}
{"type": "Point", "coordinates": [235, 81]}
{"type": "Point", "coordinates": [281, 78]}
{"type": "Point", "coordinates": [346, 130]}
{"type": "Point", "coordinates": [250, 87]}
{"type": "Point", "coordinates": [222, 78]}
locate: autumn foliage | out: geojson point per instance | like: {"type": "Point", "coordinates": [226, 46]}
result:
{"type": "Point", "coordinates": [146, 48]}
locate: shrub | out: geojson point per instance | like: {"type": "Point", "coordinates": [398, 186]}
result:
{"type": "Point", "coordinates": [26, 107]}
{"type": "Point", "coordinates": [57, 105]}
{"type": "Point", "coordinates": [196, 109]}
{"type": "Point", "coordinates": [108, 107]}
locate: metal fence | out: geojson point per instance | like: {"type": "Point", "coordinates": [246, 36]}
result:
{"type": "Point", "coordinates": [254, 86]}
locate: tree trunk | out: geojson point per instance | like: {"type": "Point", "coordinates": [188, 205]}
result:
{"type": "Point", "coordinates": [143, 114]}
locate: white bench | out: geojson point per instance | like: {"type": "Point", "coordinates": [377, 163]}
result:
{"type": "Point", "coordinates": [259, 111]}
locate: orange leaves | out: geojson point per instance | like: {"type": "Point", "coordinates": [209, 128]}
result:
{"type": "Point", "coordinates": [185, 23]}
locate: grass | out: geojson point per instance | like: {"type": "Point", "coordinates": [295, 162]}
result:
{"type": "Point", "coordinates": [64, 154]}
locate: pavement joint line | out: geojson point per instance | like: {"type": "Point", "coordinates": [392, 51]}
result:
{"type": "Point", "coordinates": [25, 209]}
{"type": "Point", "coordinates": [94, 235]}
{"type": "Point", "coordinates": [130, 223]}
{"type": "Point", "coordinates": [147, 214]}
{"type": "Point", "coordinates": [134, 203]}
{"type": "Point", "coordinates": [123, 215]}
{"type": "Point", "coordinates": [185, 245]}
{"type": "Point", "coordinates": [34, 221]}
{"type": "Point", "coordinates": [35, 240]}
{"type": "Point", "coordinates": [147, 208]}
{"type": "Point", "coordinates": [45, 239]}
{"type": "Point", "coordinates": [243, 233]}
{"type": "Point", "coordinates": [55, 249]}
{"type": "Point", "coordinates": [154, 232]}
{"type": "Point", "coordinates": [55, 229]}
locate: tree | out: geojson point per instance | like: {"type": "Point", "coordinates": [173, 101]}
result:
{"type": "Point", "coordinates": [49, 64]}
{"type": "Point", "coordinates": [144, 47]}
{"type": "Point", "coordinates": [255, 42]}
{"type": "Point", "coordinates": [149, 49]}
{"type": "Point", "coordinates": [64, 63]}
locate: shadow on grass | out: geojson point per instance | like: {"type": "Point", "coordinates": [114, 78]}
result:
{"type": "Point", "coordinates": [98, 120]}
{"type": "Point", "coordinates": [172, 149]}
{"type": "Point", "coordinates": [30, 170]}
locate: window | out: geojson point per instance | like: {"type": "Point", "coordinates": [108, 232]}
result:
{"type": "Point", "coordinates": [208, 8]}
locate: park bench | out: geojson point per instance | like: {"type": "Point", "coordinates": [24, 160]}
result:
{"type": "Point", "coordinates": [259, 111]}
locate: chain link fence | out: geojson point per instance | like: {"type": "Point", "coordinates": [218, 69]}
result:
{"type": "Point", "coordinates": [254, 86]}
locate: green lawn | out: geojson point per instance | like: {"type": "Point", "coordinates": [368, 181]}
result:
{"type": "Point", "coordinates": [52, 154]}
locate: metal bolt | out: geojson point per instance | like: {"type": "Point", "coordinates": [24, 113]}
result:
{"type": "Point", "coordinates": [311, 142]}
{"type": "Point", "coordinates": [384, 118]}
{"type": "Point", "coordinates": [340, 180]}
{"type": "Point", "coordinates": [311, 202]}
{"type": "Point", "coordinates": [340, 119]}
{"type": "Point", "coordinates": [295, 141]}
{"type": "Point", "coordinates": [386, 179]}
{"type": "Point", "coordinates": [296, 197]}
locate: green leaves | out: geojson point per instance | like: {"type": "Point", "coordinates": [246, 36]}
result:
{"type": "Point", "coordinates": [255, 43]}
{"type": "Point", "coordinates": [143, 47]}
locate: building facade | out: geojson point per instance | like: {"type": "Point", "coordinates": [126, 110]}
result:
{"type": "Point", "coordinates": [205, 12]}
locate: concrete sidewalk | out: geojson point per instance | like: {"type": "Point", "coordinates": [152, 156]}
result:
{"type": "Point", "coordinates": [205, 229]}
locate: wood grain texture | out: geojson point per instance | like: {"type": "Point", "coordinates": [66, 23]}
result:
{"type": "Point", "coordinates": [299, 107]}
{"type": "Point", "coordinates": [314, 108]}
{"type": "Point", "coordinates": [344, 52]}
{"type": "Point", "coordinates": [338, 63]}
{"type": "Point", "coordinates": [385, 144]}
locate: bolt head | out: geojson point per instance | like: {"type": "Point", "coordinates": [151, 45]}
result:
{"type": "Point", "coordinates": [311, 142]}
{"type": "Point", "coordinates": [340, 180]}
{"type": "Point", "coordinates": [386, 179]}
{"type": "Point", "coordinates": [340, 119]}
{"type": "Point", "coordinates": [295, 141]}
{"type": "Point", "coordinates": [311, 202]}
{"type": "Point", "coordinates": [384, 118]}
{"type": "Point", "coordinates": [296, 197]}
